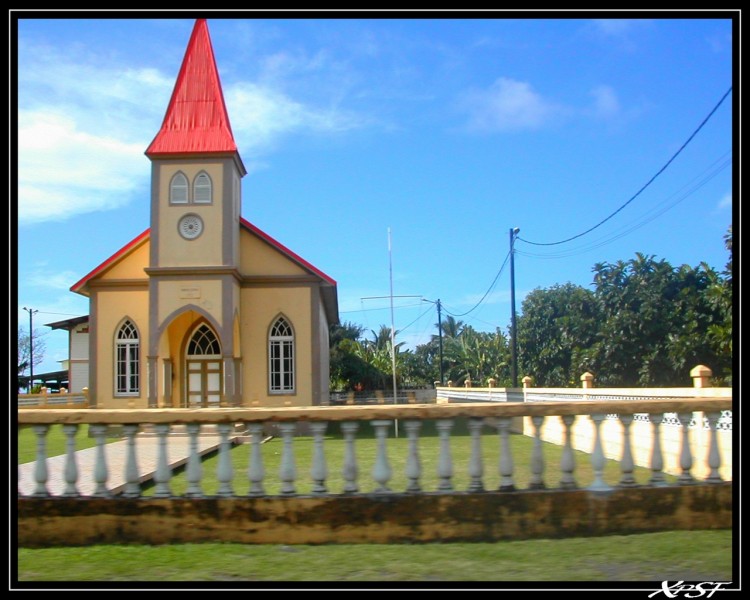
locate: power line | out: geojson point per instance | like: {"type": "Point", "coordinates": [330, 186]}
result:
{"type": "Point", "coordinates": [492, 285]}
{"type": "Point", "coordinates": [647, 184]}
{"type": "Point", "coordinates": [659, 209]}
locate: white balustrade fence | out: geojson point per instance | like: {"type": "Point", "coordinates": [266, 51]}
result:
{"type": "Point", "coordinates": [224, 423]}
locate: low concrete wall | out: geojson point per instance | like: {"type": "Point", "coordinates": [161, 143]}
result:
{"type": "Point", "coordinates": [641, 440]}
{"type": "Point", "coordinates": [375, 519]}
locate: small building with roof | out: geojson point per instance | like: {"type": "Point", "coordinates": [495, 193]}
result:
{"type": "Point", "coordinates": [203, 309]}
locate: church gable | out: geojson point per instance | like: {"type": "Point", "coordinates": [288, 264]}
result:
{"type": "Point", "coordinates": [261, 255]}
{"type": "Point", "coordinates": [126, 263]}
{"type": "Point", "coordinates": [131, 265]}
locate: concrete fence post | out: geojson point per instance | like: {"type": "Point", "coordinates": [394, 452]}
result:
{"type": "Point", "coordinates": [527, 381]}
{"type": "Point", "coordinates": [491, 382]}
{"type": "Point", "coordinates": [701, 376]}
{"type": "Point", "coordinates": [467, 383]}
{"type": "Point", "coordinates": [587, 381]}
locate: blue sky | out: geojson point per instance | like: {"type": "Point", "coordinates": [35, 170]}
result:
{"type": "Point", "coordinates": [449, 132]}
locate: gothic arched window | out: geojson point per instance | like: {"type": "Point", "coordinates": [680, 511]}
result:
{"type": "Point", "coordinates": [281, 357]}
{"type": "Point", "coordinates": [127, 360]}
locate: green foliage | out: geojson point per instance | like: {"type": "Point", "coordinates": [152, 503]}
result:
{"type": "Point", "coordinates": [556, 328]}
{"type": "Point", "coordinates": [655, 323]}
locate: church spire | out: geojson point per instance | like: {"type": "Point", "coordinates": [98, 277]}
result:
{"type": "Point", "coordinates": [196, 120]}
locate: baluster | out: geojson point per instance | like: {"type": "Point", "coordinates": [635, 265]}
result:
{"type": "Point", "coordinates": [255, 471]}
{"type": "Point", "coordinates": [445, 464]}
{"type": "Point", "coordinates": [714, 457]}
{"type": "Point", "coordinates": [506, 459]}
{"type": "Point", "coordinates": [194, 469]}
{"type": "Point", "coordinates": [101, 472]}
{"type": "Point", "coordinates": [597, 456]}
{"type": "Point", "coordinates": [319, 471]}
{"type": "Point", "coordinates": [224, 471]}
{"type": "Point", "coordinates": [537, 457]}
{"type": "Point", "coordinates": [381, 472]}
{"type": "Point", "coordinates": [132, 476]}
{"type": "Point", "coordinates": [413, 465]}
{"type": "Point", "coordinates": [163, 474]}
{"type": "Point", "coordinates": [626, 462]}
{"type": "Point", "coordinates": [657, 459]}
{"type": "Point", "coordinates": [40, 468]}
{"type": "Point", "coordinates": [288, 471]}
{"type": "Point", "coordinates": [686, 457]}
{"type": "Point", "coordinates": [476, 468]}
{"type": "Point", "coordinates": [568, 460]}
{"type": "Point", "coordinates": [350, 470]}
{"type": "Point", "coordinates": [71, 467]}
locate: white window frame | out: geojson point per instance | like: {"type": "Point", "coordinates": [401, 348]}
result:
{"type": "Point", "coordinates": [127, 361]}
{"type": "Point", "coordinates": [281, 358]}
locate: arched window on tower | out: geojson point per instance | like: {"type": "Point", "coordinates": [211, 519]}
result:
{"type": "Point", "coordinates": [202, 189]}
{"type": "Point", "coordinates": [178, 189]}
{"type": "Point", "coordinates": [281, 357]}
{"type": "Point", "coordinates": [127, 360]}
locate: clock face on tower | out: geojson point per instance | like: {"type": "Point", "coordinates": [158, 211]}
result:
{"type": "Point", "coordinates": [190, 226]}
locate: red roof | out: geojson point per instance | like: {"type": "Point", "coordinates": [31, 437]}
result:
{"type": "Point", "coordinates": [196, 120]}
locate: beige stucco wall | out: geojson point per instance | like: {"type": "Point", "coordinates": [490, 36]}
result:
{"type": "Point", "coordinates": [174, 250]}
{"type": "Point", "coordinates": [114, 306]}
{"type": "Point", "coordinates": [130, 267]}
{"type": "Point", "coordinates": [258, 258]}
{"type": "Point", "coordinates": [204, 293]}
{"type": "Point", "coordinates": [260, 307]}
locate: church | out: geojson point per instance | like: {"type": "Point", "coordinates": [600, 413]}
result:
{"type": "Point", "coordinates": [203, 309]}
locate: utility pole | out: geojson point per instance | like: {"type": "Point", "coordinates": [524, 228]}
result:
{"type": "Point", "coordinates": [31, 345]}
{"type": "Point", "coordinates": [440, 336]}
{"type": "Point", "coordinates": [513, 346]}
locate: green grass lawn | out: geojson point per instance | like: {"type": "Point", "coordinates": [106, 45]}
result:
{"type": "Point", "coordinates": [55, 441]}
{"type": "Point", "coordinates": [652, 557]}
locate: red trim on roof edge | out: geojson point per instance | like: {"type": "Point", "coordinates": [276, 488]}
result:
{"type": "Point", "coordinates": [110, 261]}
{"type": "Point", "coordinates": [244, 222]}
{"type": "Point", "coordinates": [284, 250]}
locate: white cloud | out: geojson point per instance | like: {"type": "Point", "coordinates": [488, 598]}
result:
{"type": "Point", "coordinates": [725, 202]}
{"type": "Point", "coordinates": [63, 171]}
{"type": "Point", "coordinates": [83, 130]}
{"type": "Point", "coordinates": [59, 280]}
{"type": "Point", "coordinates": [508, 105]}
{"type": "Point", "coordinates": [606, 103]}
{"type": "Point", "coordinates": [261, 115]}
{"type": "Point", "coordinates": [614, 27]}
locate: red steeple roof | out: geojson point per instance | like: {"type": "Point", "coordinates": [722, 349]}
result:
{"type": "Point", "coordinates": [196, 120]}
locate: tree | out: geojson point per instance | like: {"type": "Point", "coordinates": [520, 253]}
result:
{"type": "Point", "coordinates": [655, 322]}
{"type": "Point", "coordinates": [24, 349]}
{"type": "Point", "coordinates": [477, 356]}
{"type": "Point", "coordinates": [556, 327]}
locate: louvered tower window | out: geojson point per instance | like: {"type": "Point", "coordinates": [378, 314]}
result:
{"type": "Point", "coordinates": [178, 189]}
{"type": "Point", "coordinates": [202, 189]}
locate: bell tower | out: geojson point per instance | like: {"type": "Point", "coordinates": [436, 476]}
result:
{"type": "Point", "coordinates": [196, 172]}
